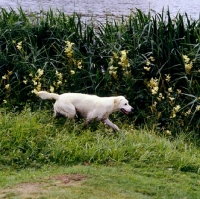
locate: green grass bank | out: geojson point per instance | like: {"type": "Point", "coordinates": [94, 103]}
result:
{"type": "Point", "coordinates": [42, 157]}
{"type": "Point", "coordinates": [32, 139]}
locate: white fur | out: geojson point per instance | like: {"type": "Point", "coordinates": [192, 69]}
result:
{"type": "Point", "coordinates": [89, 106]}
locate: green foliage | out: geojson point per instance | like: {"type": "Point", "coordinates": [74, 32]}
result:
{"type": "Point", "coordinates": [151, 59]}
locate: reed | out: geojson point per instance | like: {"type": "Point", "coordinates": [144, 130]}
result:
{"type": "Point", "coordinates": [151, 59]}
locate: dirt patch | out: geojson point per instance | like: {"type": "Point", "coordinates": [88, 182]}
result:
{"type": "Point", "coordinates": [34, 190]}
{"type": "Point", "coordinates": [70, 179]}
{"type": "Point", "coordinates": [24, 190]}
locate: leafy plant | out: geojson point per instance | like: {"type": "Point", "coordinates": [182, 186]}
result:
{"type": "Point", "coordinates": [151, 59]}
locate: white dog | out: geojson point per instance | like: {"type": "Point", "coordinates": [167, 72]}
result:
{"type": "Point", "coordinates": [89, 106]}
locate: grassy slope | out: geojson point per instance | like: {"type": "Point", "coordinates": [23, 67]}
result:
{"type": "Point", "coordinates": [129, 164]}
{"type": "Point", "coordinates": [34, 138]}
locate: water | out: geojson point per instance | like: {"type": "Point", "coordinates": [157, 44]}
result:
{"type": "Point", "coordinates": [99, 8]}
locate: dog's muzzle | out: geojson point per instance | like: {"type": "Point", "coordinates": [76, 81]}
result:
{"type": "Point", "coordinates": [126, 112]}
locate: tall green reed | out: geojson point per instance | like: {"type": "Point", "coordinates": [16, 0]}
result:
{"type": "Point", "coordinates": [143, 56]}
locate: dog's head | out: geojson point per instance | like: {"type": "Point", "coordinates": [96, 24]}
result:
{"type": "Point", "coordinates": [122, 105]}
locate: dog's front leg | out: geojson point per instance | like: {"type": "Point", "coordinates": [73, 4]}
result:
{"type": "Point", "coordinates": [109, 123]}
{"type": "Point", "coordinates": [86, 122]}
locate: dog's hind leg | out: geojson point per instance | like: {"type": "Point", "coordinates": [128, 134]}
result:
{"type": "Point", "coordinates": [109, 123]}
{"type": "Point", "coordinates": [66, 109]}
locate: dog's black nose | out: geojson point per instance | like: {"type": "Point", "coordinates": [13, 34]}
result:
{"type": "Point", "coordinates": [132, 109]}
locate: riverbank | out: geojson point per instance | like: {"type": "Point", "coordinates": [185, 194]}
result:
{"type": "Point", "coordinates": [44, 158]}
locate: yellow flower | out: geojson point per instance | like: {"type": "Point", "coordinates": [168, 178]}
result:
{"type": "Point", "coordinates": [170, 89]}
{"type": "Point", "coordinates": [72, 72]}
{"type": "Point", "coordinates": [34, 82]}
{"type": "Point", "coordinates": [188, 112]}
{"type": "Point", "coordinates": [114, 74]}
{"type": "Point", "coordinates": [68, 49]}
{"type": "Point", "coordinates": [124, 52]}
{"type": "Point", "coordinates": [112, 68]}
{"type": "Point", "coordinates": [7, 86]}
{"type": "Point", "coordinates": [9, 72]}
{"type": "Point", "coordinates": [4, 77]}
{"type": "Point", "coordinates": [168, 94]}
{"type": "Point", "coordinates": [69, 44]}
{"type": "Point", "coordinates": [147, 68]}
{"type": "Point", "coordinates": [40, 72]}
{"type": "Point", "coordinates": [160, 97]}
{"type": "Point", "coordinates": [59, 82]}
{"type": "Point", "coordinates": [177, 108]}
{"type": "Point", "coordinates": [111, 61]}
{"type": "Point", "coordinates": [123, 60]}
{"type": "Point", "coordinates": [154, 104]}
{"type": "Point", "coordinates": [19, 45]}
{"type": "Point", "coordinates": [25, 81]}
{"type": "Point", "coordinates": [179, 91]}
{"type": "Point", "coordinates": [188, 67]}
{"type": "Point", "coordinates": [51, 89]}
{"type": "Point", "coordinates": [148, 63]}
{"type": "Point", "coordinates": [152, 58]}
{"type": "Point", "coordinates": [171, 98]}
{"type": "Point", "coordinates": [115, 55]}
{"type": "Point", "coordinates": [79, 64]}
{"type": "Point", "coordinates": [39, 87]}
{"type": "Point", "coordinates": [168, 132]}
{"type": "Point", "coordinates": [173, 115]}
{"type": "Point", "coordinates": [153, 107]}
{"type": "Point", "coordinates": [59, 75]}
{"type": "Point", "coordinates": [168, 77]}
{"type": "Point", "coordinates": [174, 111]}
{"type": "Point", "coordinates": [154, 90]}
{"type": "Point", "coordinates": [153, 84]}
{"type": "Point", "coordinates": [186, 58]}
{"type": "Point", "coordinates": [198, 108]}
{"type": "Point", "coordinates": [113, 71]}
{"type": "Point", "coordinates": [127, 73]}
{"type": "Point", "coordinates": [34, 91]}
{"type": "Point", "coordinates": [188, 64]}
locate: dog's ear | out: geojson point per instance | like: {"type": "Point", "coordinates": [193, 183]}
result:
{"type": "Point", "coordinates": [117, 100]}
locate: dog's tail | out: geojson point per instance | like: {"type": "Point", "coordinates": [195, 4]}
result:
{"type": "Point", "coordinates": [46, 95]}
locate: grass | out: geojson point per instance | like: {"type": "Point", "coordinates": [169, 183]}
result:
{"type": "Point", "coordinates": [42, 157]}
{"type": "Point", "coordinates": [30, 139]}
{"type": "Point", "coordinates": [99, 181]}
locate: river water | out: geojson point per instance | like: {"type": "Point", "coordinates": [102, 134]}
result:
{"type": "Point", "coordinates": [100, 8]}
